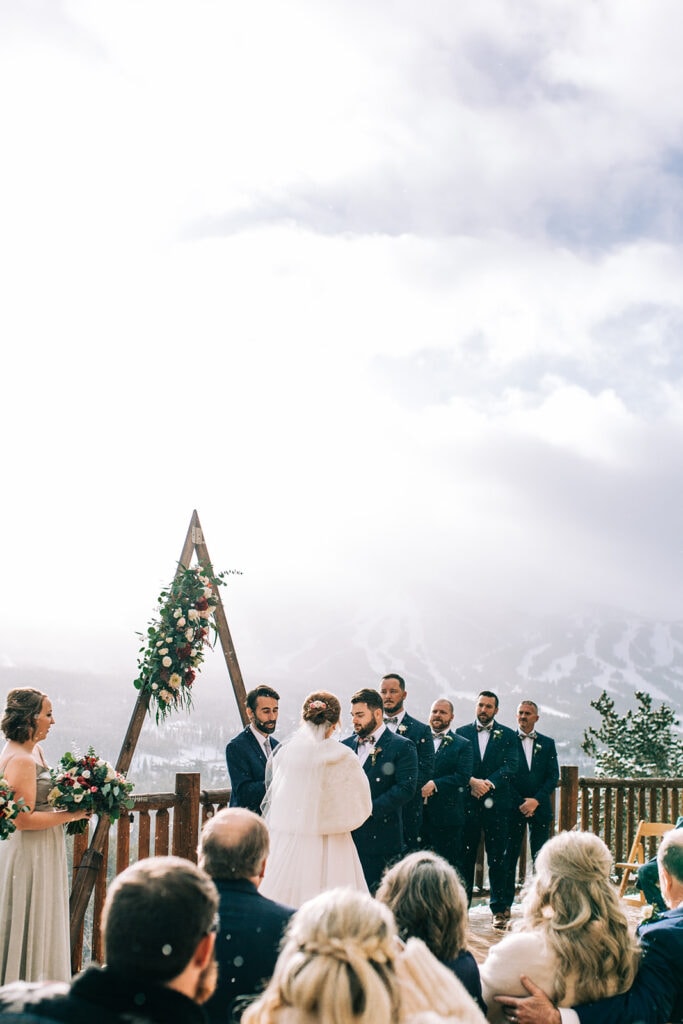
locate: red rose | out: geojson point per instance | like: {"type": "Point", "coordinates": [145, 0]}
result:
{"type": "Point", "coordinates": [201, 605]}
{"type": "Point", "coordinates": [189, 677]}
{"type": "Point", "coordinates": [184, 652]}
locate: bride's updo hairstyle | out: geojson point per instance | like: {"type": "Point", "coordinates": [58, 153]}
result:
{"type": "Point", "coordinates": [336, 965]}
{"type": "Point", "coordinates": [21, 712]}
{"type": "Point", "coordinates": [571, 899]}
{"type": "Point", "coordinates": [321, 708]}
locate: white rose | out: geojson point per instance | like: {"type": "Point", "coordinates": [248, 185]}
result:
{"type": "Point", "coordinates": [111, 774]}
{"type": "Point", "coordinates": [77, 797]}
{"type": "Point", "coordinates": [165, 696]}
{"type": "Point", "coordinates": [181, 622]}
{"type": "Point", "coordinates": [208, 592]}
{"type": "Point", "coordinates": [189, 634]}
{"type": "Point", "coordinates": [164, 650]}
{"type": "Point", "coordinates": [167, 662]}
{"type": "Point", "coordinates": [193, 615]}
{"type": "Point", "coordinates": [85, 774]}
{"type": "Point", "coordinates": [177, 613]}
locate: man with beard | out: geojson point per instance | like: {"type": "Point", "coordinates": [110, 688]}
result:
{"type": "Point", "coordinates": [444, 793]}
{"type": "Point", "coordinates": [390, 762]}
{"type": "Point", "coordinates": [249, 752]}
{"type": "Point", "coordinates": [393, 692]}
{"type": "Point", "coordinates": [159, 935]}
{"type": "Point", "coordinates": [487, 807]}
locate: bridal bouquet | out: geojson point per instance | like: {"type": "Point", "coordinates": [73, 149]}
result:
{"type": "Point", "coordinates": [91, 784]}
{"type": "Point", "coordinates": [10, 808]}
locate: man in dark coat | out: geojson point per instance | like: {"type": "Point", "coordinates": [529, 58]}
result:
{"type": "Point", "coordinates": [487, 807]}
{"type": "Point", "coordinates": [159, 936]}
{"type": "Point", "coordinates": [390, 763]}
{"type": "Point", "coordinates": [249, 752]}
{"type": "Point", "coordinates": [233, 851]}
{"type": "Point", "coordinates": [656, 996]}
{"type": "Point", "coordinates": [396, 718]}
{"type": "Point", "coordinates": [537, 775]}
{"type": "Point", "coordinates": [444, 794]}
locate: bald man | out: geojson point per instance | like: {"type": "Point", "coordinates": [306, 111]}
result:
{"type": "Point", "coordinates": [233, 850]}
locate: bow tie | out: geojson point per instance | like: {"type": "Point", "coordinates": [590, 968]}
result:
{"type": "Point", "coordinates": [366, 739]}
{"type": "Point", "coordinates": [484, 728]}
{"type": "Point", "coordinates": [438, 735]}
{"type": "Point", "coordinates": [391, 721]}
{"type": "Point", "coordinates": [527, 735]}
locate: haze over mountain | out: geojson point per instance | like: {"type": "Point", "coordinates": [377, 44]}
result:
{"type": "Point", "coordinates": [561, 661]}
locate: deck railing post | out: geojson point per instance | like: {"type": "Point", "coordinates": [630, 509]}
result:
{"type": "Point", "coordinates": [569, 797]}
{"type": "Point", "coordinates": [186, 815]}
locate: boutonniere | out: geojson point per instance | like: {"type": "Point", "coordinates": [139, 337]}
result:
{"type": "Point", "coordinates": [497, 733]}
{"type": "Point", "coordinates": [446, 740]}
{"type": "Point", "coordinates": [537, 746]}
{"type": "Point", "coordinates": [373, 755]}
{"type": "Point", "coordinates": [650, 913]}
{"type": "Point", "coordinates": [402, 728]}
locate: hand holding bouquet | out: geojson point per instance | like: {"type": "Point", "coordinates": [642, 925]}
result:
{"type": "Point", "coordinates": [10, 808]}
{"type": "Point", "coordinates": [91, 784]}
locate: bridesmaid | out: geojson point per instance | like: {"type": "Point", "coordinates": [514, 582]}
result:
{"type": "Point", "coordinates": [34, 911]}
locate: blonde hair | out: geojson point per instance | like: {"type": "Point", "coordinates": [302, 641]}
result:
{"type": "Point", "coordinates": [428, 902]}
{"type": "Point", "coordinates": [571, 899]}
{"type": "Point", "coordinates": [336, 965]}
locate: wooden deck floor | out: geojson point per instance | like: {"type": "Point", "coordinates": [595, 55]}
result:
{"type": "Point", "coordinates": [482, 936]}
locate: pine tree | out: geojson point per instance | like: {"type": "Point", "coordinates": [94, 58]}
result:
{"type": "Point", "coordinates": [639, 744]}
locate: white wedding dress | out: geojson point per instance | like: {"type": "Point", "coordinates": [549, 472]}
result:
{"type": "Point", "coordinates": [317, 795]}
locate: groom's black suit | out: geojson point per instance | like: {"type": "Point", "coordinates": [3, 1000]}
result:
{"type": "Point", "coordinates": [391, 768]}
{"type": "Point", "coordinates": [247, 770]}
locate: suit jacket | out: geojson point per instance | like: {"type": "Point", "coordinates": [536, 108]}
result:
{"type": "Point", "coordinates": [247, 943]}
{"type": "Point", "coordinates": [540, 780]}
{"type": "Point", "coordinates": [499, 764]}
{"type": "Point", "coordinates": [656, 995]}
{"type": "Point", "coordinates": [421, 735]}
{"type": "Point", "coordinates": [247, 770]}
{"type": "Point", "coordinates": [392, 773]}
{"type": "Point", "coordinates": [452, 773]}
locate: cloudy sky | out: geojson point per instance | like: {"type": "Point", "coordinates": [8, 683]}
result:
{"type": "Point", "coordinates": [389, 293]}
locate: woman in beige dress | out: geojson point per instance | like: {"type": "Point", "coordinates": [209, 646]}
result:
{"type": "Point", "coordinates": [34, 909]}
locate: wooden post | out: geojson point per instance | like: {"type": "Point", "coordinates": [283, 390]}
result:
{"type": "Point", "coordinates": [92, 860]}
{"type": "Point", "coordinates": [569, 797]}
{"type": "Point", "coordinates": [186, 816]}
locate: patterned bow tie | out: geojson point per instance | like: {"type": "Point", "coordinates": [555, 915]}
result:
{"type": "Point", "coordinates": [366, 739]}
{"type": "Point", "coordinates": [438, 735]}
{"type": "Point", "coordinates": [484, 728]}
{"type": "Point", "coordinates": [527, 735]}
{"type": "Point", "coordinates": [391, 721]}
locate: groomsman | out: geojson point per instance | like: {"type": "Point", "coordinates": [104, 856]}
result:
{"type": "Point", "coordinates": [537, 775]}
{"type": "Point", "coordinates": [249, 752]}
{"type": "Point", "coordinates": [396, 718]}
{"type": "Point", "coordinates": [443, 795]}
{"type": "Point", "coordinates": [487, 807]}
{"type": "Point", "coordinates": [390, 763]}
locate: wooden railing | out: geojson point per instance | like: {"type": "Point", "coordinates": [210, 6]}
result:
{"type": "Point", "coordinates": [164, 823]}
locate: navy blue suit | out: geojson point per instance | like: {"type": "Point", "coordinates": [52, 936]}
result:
{"type": "Point", "coordinates": [656, 995]}
{"type": "Point", "coordinates": [246, 761]}
{"type": "Point", "coordinates": [391, 769]}
{"type": "Point", "coordinates": [247, 944]}
{"type": "Point", "coordinates": [443, 814]}
{"type": "Point", "coordinates": [538, 782]}
{"type": "Point", "coordinates": [491, 813]}
{"type": "Point", "coordinates": [421, 735]}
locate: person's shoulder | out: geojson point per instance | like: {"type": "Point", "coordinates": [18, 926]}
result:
{"type": "Point", "coordinates": [466, 730]}
{"type": "Point", "coordinates": [23, 1000]}
{"type": "Point", "coordinates": [273, 908]}
{"type": "Point", "coordinates": [456, 740]}
{"type": "Point", "coordinates": [415, 724]}
{"type": "Point", "coordinates": [505, 731]}
{"type": "Point", "coordinates": [541, 739]}
{"type": "Point", "coordinates": [241, 737]}
{"type": "Point", "coordinates": [349, 741]}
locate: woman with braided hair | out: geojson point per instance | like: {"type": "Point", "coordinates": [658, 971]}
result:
{"type": "Point", "coordinates": [316, 794]}
{"type": "Point", "coordinates": [574, 940]}
{"type": "Point", "coordinates": [342, 962]}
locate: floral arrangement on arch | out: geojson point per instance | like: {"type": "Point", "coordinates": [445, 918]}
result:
{"type": "Point", "coordinates": [89, 783]}
{"type": "Point", "coordinates": [177, 639]}
{"type": "Point", "coordinates": [10, 808]}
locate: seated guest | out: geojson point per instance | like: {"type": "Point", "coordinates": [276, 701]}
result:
{"type": "Point", "coordinates": [159, 921]}
{"type": "Point", "coordinates": [574, 939]}
{"type": "Point", "coordinates": [233, 851]}
{"type": "Point", "coordinates": [648, 879]}
{"type": "Point", "coordinates": [656, 995]}
{"type": "Point", "coordinates": [429, 902]}
{"type": "Point", "coordinates": [343, 963]}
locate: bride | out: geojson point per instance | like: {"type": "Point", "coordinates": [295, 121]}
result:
{"type": "Point", "coordinates": [317, 795]}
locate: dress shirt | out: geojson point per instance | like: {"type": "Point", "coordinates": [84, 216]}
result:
{"type": "Point", "coordinates": [365, 746]}
{"type": "Point", "coordinates": [483, 736]}
{"type": "Point", "coordinates": [392, 722]}
{"type": "Point", "coordinates": [528, 745]}
{"type": "Point", "coordinates": [263, 741]}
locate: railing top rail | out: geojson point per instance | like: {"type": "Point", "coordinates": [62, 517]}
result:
{"type": "Point", "coordinates": [666, 783]}
{"type": "Point", "coordinates": [153, 801]}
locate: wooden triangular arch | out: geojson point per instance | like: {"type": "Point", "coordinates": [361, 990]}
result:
{"type": "Point", "coordinates": [91, 862]}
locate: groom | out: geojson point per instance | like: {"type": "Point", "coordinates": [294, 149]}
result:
{"type": "Point", "coordinates": [390, 763]}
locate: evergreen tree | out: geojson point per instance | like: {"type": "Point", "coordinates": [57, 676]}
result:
{"type": "Point", "coordinates": [639, 744]}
